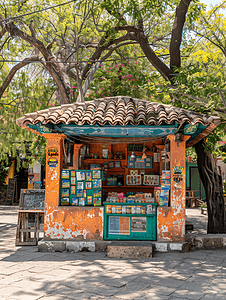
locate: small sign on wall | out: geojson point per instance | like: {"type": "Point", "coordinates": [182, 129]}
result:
{"type": "Point", "coordinates": [178, 175]}
{"type": "Point", "coordinates": [52, 162]}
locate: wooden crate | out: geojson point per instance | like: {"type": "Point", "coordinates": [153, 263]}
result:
{"type": "Point", "coordinates": [30, 225]}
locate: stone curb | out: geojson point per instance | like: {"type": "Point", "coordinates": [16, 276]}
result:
{"type": "Point", "coordinates": [101, 246]}
{"type": "Point", "coordinates": [207, 242]}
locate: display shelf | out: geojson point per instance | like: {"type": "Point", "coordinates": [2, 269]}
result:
{"type": "Point", "coordinates": [101, 160]}
{"type": "Point", "coordinates": [126, 203]}
{"type": "Point", "coordinates": [116, 170]}
{"type": "Point", "coordinates": [130, 186]}
{"type": "Point", "coordinates": [141, 152]}
{"type": "Point", "coordinates": [132, 215]}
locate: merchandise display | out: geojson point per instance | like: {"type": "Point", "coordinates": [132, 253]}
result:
{"type": "Point", "coordinates": [130, 222]}
{"type": "Point", "coordinates": [131, 182]}
{"type": "Point", "coordinates": [165, 189]}
{"type": "Point", "coordinates": [138, 197]}
{"type": "Point", "coordinates": [81, 187]}
{"type": "Point", "coordinates": [151, 180]}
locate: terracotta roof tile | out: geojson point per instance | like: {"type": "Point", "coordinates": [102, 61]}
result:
{"type": "Point", "coordinates": [117, 111]}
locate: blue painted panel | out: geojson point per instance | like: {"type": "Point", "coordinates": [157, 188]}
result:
{"type": "Point", "coordinates": [40, 128]}
{"type": "Point", "coordinates": [116, 131]}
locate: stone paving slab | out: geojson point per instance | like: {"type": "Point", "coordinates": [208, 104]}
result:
{"type": "Point", "coordinates": [26, 273]}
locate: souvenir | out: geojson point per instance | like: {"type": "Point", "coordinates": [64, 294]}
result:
{"type": "Point", "coordinates": [72, 180]}
{"type": "Point", "coordinates": [65, 183]}
{"type": "Point", "coordinates": [65, 192]}
{"type": "Point", "coordinates": [97, 184]}
{"type": "Point", "coordinates": [113, 209]}
{"type": "Point", "coordinates": [65, 174]}
{"type": "Point", "coordinates": [89, 200]}
{"type": "Point", "coordinates": [118, 209]}
{"type": "Point", "coordinates": [80, 185]}
{"type": "Point", "coordinates": [96, 174]}
{"type": "Point", "coordinates": [133, 209]}
{"type": "Point", "coordinates": [84, 193]}
{"type": "Point", "coordinates": [88, 176]}
{"type": "Point", "coordinates": [105, 153]}
{"type": "Point", "coordinates": [128, 209]}
{"type": "Point", "coordinates": [124, 209]}
{"type": "Point", "coordinates": [133, 180]}
{"type": "Point", "coordinates": [72, 173]}
{"type": "Point", "coordinates": [74, 201]}
{"type": "Point", "coordinates": [138, 209]}
{"type": "Point", "coordinates": [79, 193]}
{"type": "Point", "coordinates": [97, 193]}
{"type": "Point", "coordinates": [81, 201]}
{"type": "Point", "coordinates": [73, 190]}
{"type": "Point", "coordinates": [117, 164]}
{"type": "Point", "coordinates": [111, 164]}
{"type": "Point", "coordinates": [64, 201]}
{"type": "Point", "coordinates": [108, 209]}
{"type": "Point", "coordinates": [151, 180]}
{"type": "Point", "coordinates": [143, 209]}
{"type": "Point", "coordinates": [97, 201]}
{"type": "Point", "coordinates": [80, 176]}
{"type": "Point", "coordinates": [157, 191]}
{"type": "Point", "coordinates": [88, 185]}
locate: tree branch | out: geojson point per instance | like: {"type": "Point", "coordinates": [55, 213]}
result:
{"type": "Point", "coordinates": [222, 96]}
{"type": "Point", "coordinates": [13, 71]}
{"type": "Point", "coordinates": [3, 31]}
{"type": "Point", "coordinates": [15, 31]}
{"type": "Point", "coordinates": [151, 56]}
{"type": "Point", "coordinates": [176, 37]}
{"type": "Point", "coordinates": [211, 41]}
{"type": "Point", "coordinates": [72, 75]}
{"type": "Point", "coordinates": [33, 33]}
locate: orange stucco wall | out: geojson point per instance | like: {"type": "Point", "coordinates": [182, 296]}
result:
{"type": "Point", "coordinates": [86, 223]}
{"type": "Point", "coordinates": [171, 220]}
{"type": "Point", "coordinates": [71, 223]}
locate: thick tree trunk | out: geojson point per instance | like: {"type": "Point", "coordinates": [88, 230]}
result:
{"type": "Point", "coordinates": [212, 182]}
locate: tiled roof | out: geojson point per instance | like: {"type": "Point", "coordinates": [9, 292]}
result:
{"type": "Point", "coordinates": [118, 110]}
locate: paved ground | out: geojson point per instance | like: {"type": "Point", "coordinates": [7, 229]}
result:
{"type": "Point", "coordinates": [28, 274]}
{"type": "Point", "coordinates": [193, 215]}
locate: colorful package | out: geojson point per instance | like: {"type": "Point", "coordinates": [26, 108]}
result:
{"type": "Point", "coordinates": [74, 201]}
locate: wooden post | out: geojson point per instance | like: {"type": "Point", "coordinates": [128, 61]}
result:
{"type": "Point", "coordinates": [77, 147]}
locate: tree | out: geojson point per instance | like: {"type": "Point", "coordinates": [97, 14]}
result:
{"type": "Point", "coordinates": [138, 31]}
{"type": "Point", "coordinates": [74, 42]}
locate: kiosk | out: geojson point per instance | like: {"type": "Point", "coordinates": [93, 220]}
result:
{"type": "Point", "coordinates": [115, 168]}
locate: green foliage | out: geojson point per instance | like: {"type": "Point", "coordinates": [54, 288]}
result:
{"type": "Point", "coordinates": [23, 96]}
{"type": "Point", "coordinates": [4, 168]}
{"type": "Point", "coordinates": [196, 86]}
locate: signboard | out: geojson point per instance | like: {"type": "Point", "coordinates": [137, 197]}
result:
{"type": "Point", "coordinates": [119, 225]}
{"type": "Point", "coordinates": [139, 224]}
{"type": "Point", "coordinates": [32, 199]}
{"type": "Point", "coordinates": [11, 190]}
{"type": "Point", "coordinates": [52, 162]}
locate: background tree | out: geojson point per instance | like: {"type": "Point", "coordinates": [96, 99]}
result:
{"type": "Point", "coordinates": [73, 41]}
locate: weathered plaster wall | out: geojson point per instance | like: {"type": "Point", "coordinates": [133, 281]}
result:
{"type": "Point", "coordinates": [74, 223]}
{"type": "Point", "coordinates": [71, 223]}
{"type": "Point", "coordinates": [171, 220]}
